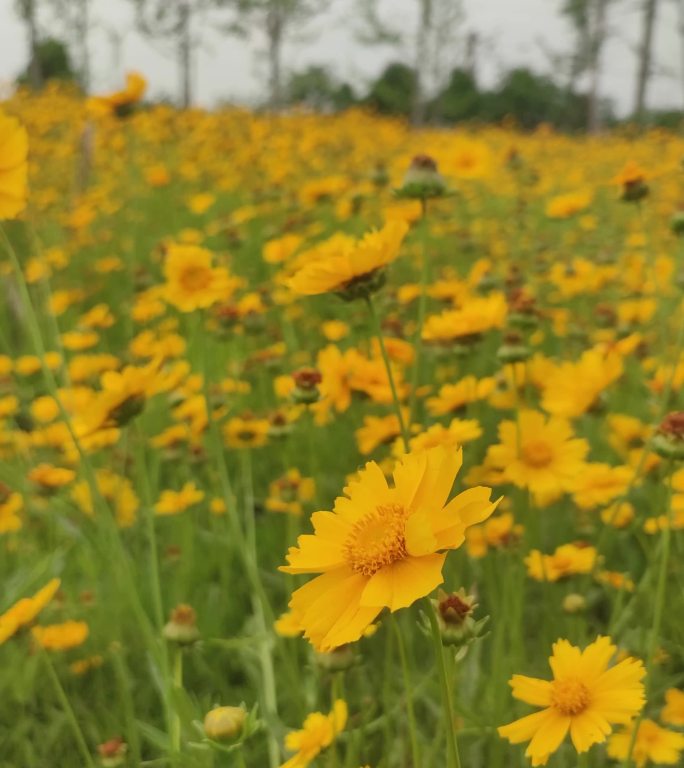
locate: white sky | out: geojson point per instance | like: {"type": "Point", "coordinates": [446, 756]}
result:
{"type": "Point", "coordinates": [516, 32]}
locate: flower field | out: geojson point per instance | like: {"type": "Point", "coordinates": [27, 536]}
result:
{"type": "Point", "coordinates": [326, 441]}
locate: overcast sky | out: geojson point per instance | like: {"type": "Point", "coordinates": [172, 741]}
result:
{"type": "Point", "coordinates": [514, 32]}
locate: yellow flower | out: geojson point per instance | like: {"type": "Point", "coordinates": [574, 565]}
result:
{"type": "Point", "coordinates": [673, 711]}
{"type": "Point", "coordinates": [586, 698]}
{"type": "Point", "coordinates": [564, 206]}
{"type": "Point", "coordinates": [382, 546]}
{"type": "Point", "coordinates": [246, 432]}
{"type": "Point", "coordinates": [599, 484]}
{"type": "Point", "coordinates": [475, 317]}
{"type": "Point", "coordinates": [377, 430]}
{"type": "Point", "coordinates": [191, 281]}
{"type": "Point", "coordinates": [26, 610]}
{"type": "Point", "coordinates": [287, 625]}
{"type": "Point", "coordinates": [318, 732]}
{"type": "Point", "coordinates": [49, 477]}
{"type": "Point", "coordinates": [13, 167]}
{"type": "Point", "coordinates": [342, 263]}
{"type": "Point", "coordinates": [571, 389]}
{"type": "Point", "coordinates": [538, 454]}
{"type": "Point", "coordinates": [454, 397]}
{"type": "Point", "coordinates": [61, 637]}
{"type": "Point", "coordinates": [115, 489]}
{"type": "Point", "coordinates": [567, 560]}
{"type": "Point", "coordinates": [653, 743]}
{"type": "Point", "coordinates": [175, 502]}
{"type": "Point", "coordinates": [498, 532]}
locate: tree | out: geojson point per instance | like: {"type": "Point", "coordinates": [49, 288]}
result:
{"type": "Point", "coordinates": [649, 12]}
{"type": "Point", "coordinates": [393, 92]}
{"type": "Point", "coordinates": [173, 20]}
{"type": "Point", "coordinates": [318, 89]}
{"type": "Point", "coordinates": [75, 19]}
{"type": "Point", "coordinates": [431, 46]}
{"type": "Point", "coordinates": [28, 13]}
{"type": "Point", "coordinates": [460, 99]}
{"type": "Point", "coordinates": [277, 19]}
{"type": "Point", "coordinates": [53, 58]}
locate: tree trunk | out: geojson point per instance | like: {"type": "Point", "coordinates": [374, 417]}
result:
{"type": "Point", "coordinates": [650, 9]}
{"type": "Point", "coordinates": [598, 38]}
{"type": "Point", "coordinates": [83, 26]}
{"type": "Point", "coordinates": [422, 61]}
{"type": "Point", "coordinates": [35, 70]}
{"type": "Point", "coordinates": [274, 32]}
{"type": "Point", "coordinates": [680, 8]}
{"type": "Point", "coordinates": [185, 54]}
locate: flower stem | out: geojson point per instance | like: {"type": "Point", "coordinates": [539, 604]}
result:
{"type": "Point", "coordinates": [453, 758]}
{"type": "Point", "coordinates": [408, 690]}
{"type": "Point", "coordinates": [658, 608]}
{"type": "Point", "coordinates": [395, 397]}
{"type": "Point", "coordinates": [68, 710]}
{"type": "Point", "coordinates": [175, 735]}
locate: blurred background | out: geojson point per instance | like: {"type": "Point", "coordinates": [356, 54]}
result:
{"type": "Point", "coordinates": [576, 64]}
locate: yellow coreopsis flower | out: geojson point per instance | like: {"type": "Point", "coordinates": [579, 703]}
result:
{"type": "Point", "coordinates": [175, 502]}
{"type": "Point", "coordinates": [382, 546]}
{"type": "Point", "coordinates": [13, 167]}
{"type": "Point", "coordinates": [191, 280]}
{"type": "Point", "coordinates": [567, 560]}
{"type": "Point", "coordinates": [673, 711]}
{"type": "Point", "coordinates": [61, 637]}
{"type": "Point", "coordinates": [652, 744]}
{"type": "Point", "coordinates": [585, 698]}
{"type": "Point", "coordinates": [318, 732]}
{"type": "Point", "coordinates": [342, 263]}
{"type": "Point", "coordinates": [538, 454]}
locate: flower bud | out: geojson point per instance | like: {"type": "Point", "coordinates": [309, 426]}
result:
{"type": "Point", "coordinates": [669, 439]}
{"type": "Point", "coordinates": [677, 223]}
{"type": "Point", "coordinates": [182, 626]}
{"type": "Point", "coordinates": [422, 180]}
{"type": "Point", "coordinates": [112, 753]}
{"type": "Point", "coordinates": [574, 603]}
{"type": "Point", "coordinates": [456, 622]}
{"type": "Point", "coordinates": [224, 723]}
{"type": "Point", "coordinates": [306, 381]}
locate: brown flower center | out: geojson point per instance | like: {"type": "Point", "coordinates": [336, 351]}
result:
{"type": "Point", "coordinates": [570, 696]}
{"type": "Point", "coordinates": [537, 453]}
{"type": "Point", "coordinates": [195, 278]}
{"type": "Point", "coordinates": [377, 540]}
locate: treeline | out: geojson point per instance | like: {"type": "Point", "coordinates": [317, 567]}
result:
{"type": "Point", "coordinates": [521, 96]}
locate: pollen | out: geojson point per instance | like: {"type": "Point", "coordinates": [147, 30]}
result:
{"type": "Point", "coordinates": [377, 540]}
{"type": "Point", "coordinates": [537, 453]}
{"type": "Point", "coordinates": [570, 696]}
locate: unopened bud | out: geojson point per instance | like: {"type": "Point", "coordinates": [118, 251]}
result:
{"type": "Point", "coordinates": [224, 723]}
{"type": "Point", "coordinates": [182, 626]}
{"type": "Point", "coordinates": [112, 753]}
{"type": "Point", "coordinates": [574, 603]}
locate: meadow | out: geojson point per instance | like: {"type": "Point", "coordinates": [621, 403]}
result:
{"type": "Point", "coordinates": [328, 441]}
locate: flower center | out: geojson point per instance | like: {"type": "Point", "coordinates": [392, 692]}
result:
{"type": "Point", "coordinates": [377, 540]}
{"type": "Point", "coordinates": [195, 278]}
{"type": "Point", "coordinates": [569, 696]}
{"type": "Point", "coordinates": [537, 453]}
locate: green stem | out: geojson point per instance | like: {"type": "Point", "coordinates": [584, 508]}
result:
{"type": "Point", "coordinates": [395, 397]}
{"type": "Point", "coordinates": [422, 304]}
{"type": "Point", "coordinates": [68, 710]}
{"type": "Point", "coordinates": [658, 609]}
{"type": "Point", "coordinates": [453, 757]}
{"type": "Point", "coordinates": [408, 691]}
{"type": "Point", "coordinates": [175, 735]}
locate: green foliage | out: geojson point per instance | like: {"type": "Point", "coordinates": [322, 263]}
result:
{"type": "Point", "coordinates": [55, 62]}
{"type": "Point", "coordinates": [318, 89]}
{"type": "Point", "coordinates": [392, 93]}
